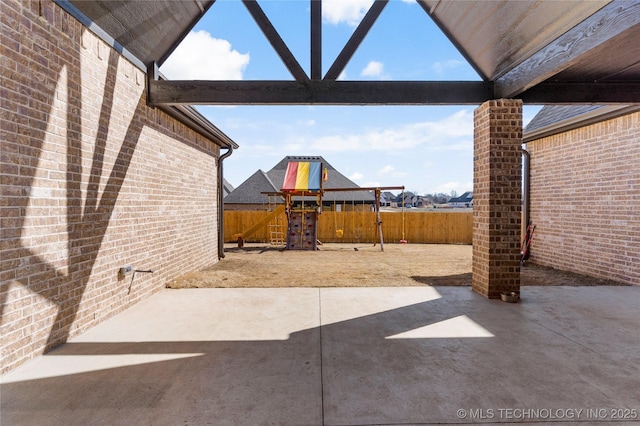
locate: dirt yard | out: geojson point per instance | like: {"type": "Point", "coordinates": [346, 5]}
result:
{"type": "Point", "coordinates": [359, 265]}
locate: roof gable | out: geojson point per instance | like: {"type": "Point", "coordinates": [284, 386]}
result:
{"type": "Point", "coordinates": [249, 191]}
{"type": "Point", "coordinates": [335, 179]}
{"type": "Point", "coordinates": [282, 164]}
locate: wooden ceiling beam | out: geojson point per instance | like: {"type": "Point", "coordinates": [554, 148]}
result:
{"type": "Point", "coordinates": [276, 41]}
{"type": "Point", "coordinates": [606, 92]}
{"type": "Point", "coordinates": [609, 22]}
{"type": "Point", "coordinates": [316, 39]}
{"type": "Point", "coordinates": [356, 38]}
{"type": "Point", "coordinates": [318, 92]}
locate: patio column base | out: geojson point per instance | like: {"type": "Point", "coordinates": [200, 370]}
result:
{"type": "Point", "coordinates": [497, 194]}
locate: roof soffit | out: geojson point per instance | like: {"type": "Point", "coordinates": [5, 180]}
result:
{"type": "Point", "coordinates": [499, 35]}
{"type": "Point", "coordinates": [515, 45]}
{"type": "Point", "coordinates": [614, 28]}
{"type": "Point", "coordinates": [150, 30]}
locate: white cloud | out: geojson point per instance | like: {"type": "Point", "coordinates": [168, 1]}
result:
{"type": "Point", "coordinates": [356, 176]}
{"type": "Point", "coordinates": [203, 57]}
{"type": "Point", "coordinates": [386, 170]}
{"type": "Point", "coordinates": [459, 187]}
{"type": "Point", "coordinates": [453, 133]}
{"type": "Point", "coordinates": [390, 171]}
{"type": "Point", "coordinates": [345, 11]}
{"type": "Point", "coordinates": [443, 66]}
{"type": "Point", "coordinates": [373, 69]}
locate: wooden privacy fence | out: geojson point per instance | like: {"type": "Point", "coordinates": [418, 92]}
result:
{"type": "Point", "coordinates": [360, 227]}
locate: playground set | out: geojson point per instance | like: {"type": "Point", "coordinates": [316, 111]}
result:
{"type": "Point", "coordinates": [302, 191]}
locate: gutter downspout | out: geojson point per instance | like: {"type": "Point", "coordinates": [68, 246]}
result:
{"type": "Point", "coordinates": [526, 156]}
{"type": "Point", "coordinates": [221, 202]}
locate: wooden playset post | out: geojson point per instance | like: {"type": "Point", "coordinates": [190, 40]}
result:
{"type": "Point", "coordinates": [378, 219]}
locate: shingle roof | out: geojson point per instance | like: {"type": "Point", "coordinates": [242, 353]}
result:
{"type": "Point", "coordinates": [464, 198]}
{"type": "Point", "coordinates": [249, 191]}
{"type": "Point", "coordinates": [282, 164]}
{"type": "Point", "coordinates": [335, 180]}
{"type": "Point", "coordinates": [551, 114]}
{"type": "Point", "coordinates": [554, 119]}
{"type": "Point", "coordinates": [408, 195]}
{"type": "Point", "coordinates": [227, 188]}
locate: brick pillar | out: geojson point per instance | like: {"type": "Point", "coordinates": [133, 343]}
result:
{"type": "Point", "coordinates": [497, 182]}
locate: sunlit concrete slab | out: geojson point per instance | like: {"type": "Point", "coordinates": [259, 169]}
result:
{"type": "Point", "coordinates": [561, 348]}
{"type": "Point", "coordinates": [343, 356]}
{"type": "Point", "coordinates": [196, 357]}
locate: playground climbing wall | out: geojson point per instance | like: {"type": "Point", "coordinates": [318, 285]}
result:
{"type": "Point", "coordinates": [302, 232]}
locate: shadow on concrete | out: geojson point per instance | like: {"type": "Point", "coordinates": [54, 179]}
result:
{"type": "Point", "coordinates": [530, 275]}
{"type": "Point", "coordinates": [415, 364]}
{"type": "Point", "coordinates": [446, 280]}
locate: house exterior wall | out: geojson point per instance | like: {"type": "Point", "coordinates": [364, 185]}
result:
{"type": "Point", "coordinates": [463, 205]}
{"type": "Point", "coordinates": [92, 179]}
{"type": "Point", "coordinates": [585, 199]}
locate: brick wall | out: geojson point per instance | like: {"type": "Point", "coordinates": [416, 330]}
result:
{"type": "Point", "coordinates": [585, 199]}
{"type": "Point", "coordinates": [91, 180]}
{"type": "Point", "coordinates": [497, 175]}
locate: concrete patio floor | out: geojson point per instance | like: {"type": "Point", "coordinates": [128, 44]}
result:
{"type": "Point", "coordinates": [343, 356]}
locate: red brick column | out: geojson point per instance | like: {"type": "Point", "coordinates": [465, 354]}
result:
{"type": "Point", "coordinates": [497, 181]}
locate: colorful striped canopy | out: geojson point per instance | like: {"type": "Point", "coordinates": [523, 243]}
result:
{"type": "Point", "coordinates": [302, 176]}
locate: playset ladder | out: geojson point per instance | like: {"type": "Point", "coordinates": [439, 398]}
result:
{"type": "Point", "coordinates": [276, 227]}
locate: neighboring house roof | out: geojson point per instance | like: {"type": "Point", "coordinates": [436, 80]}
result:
{"type": "Point", "coordinates": [227, 188]}
{"type": "Point", "coordinates": [467, 197]}
{"type": "Point", "coordinates": [554, 119]}
{"type": "Point", "coordinates": [387, 196]}
{"type": "Point", "coordinates": [408, 196]}
{"type": "Point", "coordinates": [335, 180]}
{"type": "Point", "coordinates": [249, 191]}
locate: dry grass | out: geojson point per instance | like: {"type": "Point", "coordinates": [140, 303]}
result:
{"type": "Point", "coordinates": [358, 265]}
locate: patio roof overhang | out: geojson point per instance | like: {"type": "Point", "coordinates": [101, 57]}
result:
{"type": "Point", "coordinates": [539, 51]}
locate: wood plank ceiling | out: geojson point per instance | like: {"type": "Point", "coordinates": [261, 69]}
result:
{"type": "Point", "coordinates": [544, 52]}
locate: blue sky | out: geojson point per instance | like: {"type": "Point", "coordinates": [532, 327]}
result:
{"type": "Point", "coordinates": [426, 148]}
